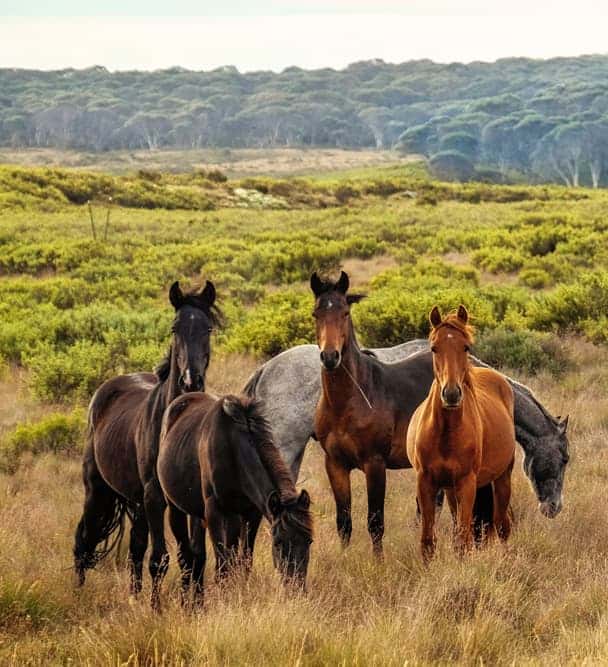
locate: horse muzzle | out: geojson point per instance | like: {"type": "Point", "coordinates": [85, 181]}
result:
{"type": "Point", "coordinates": [551, 508]}
{"type": "Point", "coordinates": [187, 382]}
{"type": "Point", "coordinates": [451, 397]}
{"type": "Point", "coordinates": [330, 359]}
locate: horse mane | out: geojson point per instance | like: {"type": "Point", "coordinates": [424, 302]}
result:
{"type": "Point", "coordinates": [452, 320]}
{"type": "Point", "coordinates": [251, 411]}
{"type": "Point", "coordinates": [163, 369]}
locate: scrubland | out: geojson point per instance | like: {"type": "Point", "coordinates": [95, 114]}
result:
{"type": "Point", "coordinates": [531, 264]}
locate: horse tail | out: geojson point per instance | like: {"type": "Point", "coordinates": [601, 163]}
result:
{"type": "Point", "coordinates": [483, 511]}
{"type": "Point", "coordinates": [251, 387]}
{"type": "Point", "coordinates": [101, 527]}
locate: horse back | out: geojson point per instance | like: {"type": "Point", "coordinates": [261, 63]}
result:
{"type": "Point", "coordinates": [113, 415]}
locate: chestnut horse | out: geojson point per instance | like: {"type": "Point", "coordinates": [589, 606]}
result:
{"type": "Point", "coordinates": [462, 436]}
{"type": "Point", "coordinates": [218, 463]}
{"type": "Point", "coordinates": [124, 420]}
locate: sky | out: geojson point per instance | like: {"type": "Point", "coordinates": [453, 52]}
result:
{"type": "Point", "coordinates": [264, 35]}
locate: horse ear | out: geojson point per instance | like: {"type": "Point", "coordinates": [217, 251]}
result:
{"type": "Point", "coordinates": [233, 409]}
{"type": "Point", "coordinates": [343, 282]}
{"type": "Point", "coordinates": [273, 504]}
{"type": "Point", "coordinates": [176, 296]}
{"type": "Point", "coordinates": [208, 293]}
{"type": "Point", "coordinates": [316, 284]}
{"type": "Point", "coordinates": [304, 500]}
{"type": "Point", "coordinates": [563, 425]}
{"type": "Point", "coordinates": [435, 316]}
{"type": "Point", "coordinates": [463, 316]}
{"type": "Point", "coordinates": [354, 298]}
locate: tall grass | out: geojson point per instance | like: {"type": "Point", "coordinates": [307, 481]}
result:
{"type": "Point", "coordinates": [539, 600]}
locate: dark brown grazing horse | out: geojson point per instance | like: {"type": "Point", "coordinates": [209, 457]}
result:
{"type": "Point", "coordinates": [218, 462]}
{"type": "Point", "coordinates": [124, 420]}
{"type": "Point", "coordinates": [362, 416]}
{"type": "Point", "coordinates": [462, 436]}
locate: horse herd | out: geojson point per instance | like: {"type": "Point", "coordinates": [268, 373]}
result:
{"type": "Point", "coordinates": [158, 441]}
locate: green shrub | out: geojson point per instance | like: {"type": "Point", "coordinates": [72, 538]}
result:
{"type": "Point", "coordinates": [57, 433]}
{"type": "Point", "coordinates": [73, 374]}
{"type": "Point", "coordinates": [523, 350]}
{"type": "Point", "coordinates": [498, 260]}
{"type": "Point", "coordinates": [277, 323]}
{"type": "Point", "coordinates": [535, 278]}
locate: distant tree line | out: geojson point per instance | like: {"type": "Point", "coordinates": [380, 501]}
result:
{"type": "Point", "coordinates": [515, 119]}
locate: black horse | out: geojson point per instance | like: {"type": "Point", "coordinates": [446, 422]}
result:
{"type": "Point", "coordinates": [219, 464]}
{"type": "Point", "coordinates": [124, 421]}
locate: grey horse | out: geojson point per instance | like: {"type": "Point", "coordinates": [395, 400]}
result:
{"type": "Point", "coordinates": [290, 386]}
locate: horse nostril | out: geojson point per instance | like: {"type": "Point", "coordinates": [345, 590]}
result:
{"type": "Point", "coordinates": [200, 383]}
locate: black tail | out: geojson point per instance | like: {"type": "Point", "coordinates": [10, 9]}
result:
{"type": "Point", "coordinates": [483, 511]}
{"type": "Point", "coordinates": [101, 526]}
{"type": "Point", "coordinates": [252, 384]}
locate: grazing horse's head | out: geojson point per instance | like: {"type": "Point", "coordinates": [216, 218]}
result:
{"type": "Point", "coordinates": [195, 319]}
{"type": "Point", "coordinates": [332, 317]}
{"type": "Point", "coordinates": [451, 339]}
{"type": "Point", "coordinates": [291, 528]}
{"type": "Point", "coordinates": [547, 466]}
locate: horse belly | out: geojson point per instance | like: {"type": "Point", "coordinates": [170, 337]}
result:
{"type": "Point", "coordinates": [117, 462]}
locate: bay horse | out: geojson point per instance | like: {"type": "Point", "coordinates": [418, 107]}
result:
{"type": "Point", "coordinates": [363, 412]}
{"type": "Point", "coordinates": [462, 436]}
{"type": "Point", "coordinates": [218, 463]}
{"type": "Point", "coordinates": [119, 463]}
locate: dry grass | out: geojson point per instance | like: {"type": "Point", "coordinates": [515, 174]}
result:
{"type": "Point", "coordinates": [234, 162]}
{"type": "Point", "coordinates": [541, 600]}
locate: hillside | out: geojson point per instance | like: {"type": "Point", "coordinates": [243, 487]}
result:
{"type": "Point", "coordinates": [513, 120]}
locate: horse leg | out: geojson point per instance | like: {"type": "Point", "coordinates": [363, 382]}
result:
{"type": "Point", "coordinates": [155, 504]}
{"type": "Point", "coordinates": [502, 498]}
{"type": "Point", "coordinates": [138, 544]}
{"type": "Point", "coordinates": [251, 523]}
{"type": "Point", "coordinates": [179, 527]}
{"type": "Point", "coordinates": [219, 524]}
{"type": "Point", "coordinates": [426, 493]}
{"type": "Point", "coordinates": [199, 557]}
{"type": "Point", "coordinates": [375, 477]}
{"type": "Point", "coordinates": [339, 479]}
{"type": "Point", "coordinates": [101, 516]}
{"type": "Point", "coordinates": [465, 490]}
{"type": "Point", "coordinates": [483, 513]}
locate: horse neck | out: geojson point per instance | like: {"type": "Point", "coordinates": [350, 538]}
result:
{"type": "Point", "coordinates": [339, 385]}
{"type": "Point", "coordinates": [449, 421]}
{"type": "Point", "coordinates": [169, 389]}
{"type": "Point", "coordinates": [258, 481]}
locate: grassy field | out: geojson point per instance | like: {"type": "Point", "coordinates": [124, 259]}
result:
{"type": "Point", "coordinates": [237, 162]}
{"type": "Point", "coordinates": [530, 263]}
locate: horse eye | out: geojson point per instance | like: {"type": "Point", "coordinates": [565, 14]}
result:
{"type": "Point", "coordinates": [210, 330]}
{"type": "Point", "coordinates": [433, 349]}
{"type": "Point", "coordinates": [467, 348]}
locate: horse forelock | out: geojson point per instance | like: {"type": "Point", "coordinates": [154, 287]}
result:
{"type": "Point", "coordinates": [453, 321]}
{"type": "Point", "coordinates": [195, 300]}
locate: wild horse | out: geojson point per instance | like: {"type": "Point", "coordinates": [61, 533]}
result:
{"type": "Point", "coordinates": [124, 421]}
{"type": "Point", "coordinates": [218, 463]}
{"type": "Point", "coordinates": [290, 386]}
{"type": "Point", "coordinates": [462, 435]}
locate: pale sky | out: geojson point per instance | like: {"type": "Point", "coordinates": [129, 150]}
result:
{"type": "Point", "coordinates": [273, 35]}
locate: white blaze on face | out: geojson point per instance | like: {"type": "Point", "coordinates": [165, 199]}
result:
{"type": "Point", "coordinates": [187, 379]}
{"type": "Point", "coordinates": [329, 304]}
{"type": "Point", "coordinates": [450, 336]}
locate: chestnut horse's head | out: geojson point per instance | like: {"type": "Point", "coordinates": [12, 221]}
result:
{"type": "Point", "coordinates": [332, 317]}
{"type": "Point", "coordinates": [451, 339]}
{"type": "Point", "coordinates": [195, 319]}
